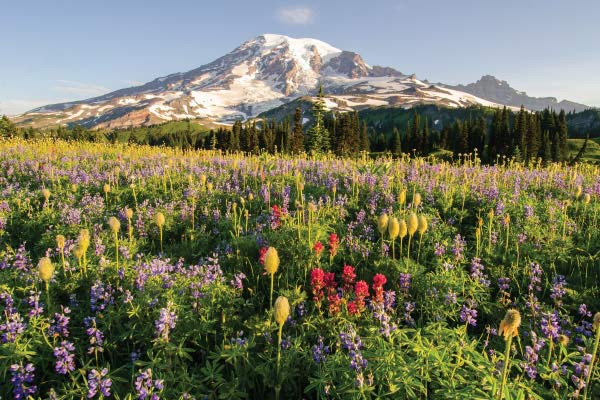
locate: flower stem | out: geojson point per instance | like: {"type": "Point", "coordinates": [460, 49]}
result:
{"type": "Point", "coordinates": [506, 367]}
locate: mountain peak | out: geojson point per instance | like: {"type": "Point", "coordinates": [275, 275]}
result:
{"type": "Point", "coordinates": [266, 72]}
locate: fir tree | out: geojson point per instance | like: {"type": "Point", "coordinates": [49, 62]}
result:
{"type": "Point", "coordinates": [297, 139]}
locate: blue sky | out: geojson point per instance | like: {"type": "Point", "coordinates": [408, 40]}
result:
{"type": "Point", "coordinates": [67, 50]}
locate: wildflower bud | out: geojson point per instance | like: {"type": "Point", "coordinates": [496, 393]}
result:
{"type": "Point", "coordinates": [509, 327]}
{"type": "Point", "coordinates": [46, 194]}
{"type": "Point", "coordinates": [60, 242]}
{"type": "Point", "coordinates": [114, 224]}
{"type": "Point", "coordinates": [491, 214]}
{"type": "Point", "coordinates": [393, 228]}
{"type": "Point", "coordinates": [422, 224]}
{"type": "Point", "coordinates": [282, 310]}
{"type": "Point", "coordinates": [586, 198]}
{"type": "Point", "coordinates": [402, 229]}
{"type": "Point", "coordinates": [45, 269]}
{"type": "Point", "coordinates": [413, 224]}
{"type": "Point", "coordinates": [417, 199]}
{"type": "Point", "coordinates": [596, 323]}
{"type": "Point", "coordinates": [271, 261]}
{"type": "Point", "coordinates": [84, 238]}
{"type": "Point", "coordinates": [402, 197]}
{"type": "Point", "coordinates": [312, 207]}
{"type": "Point", "coordinates": [106, 188]}
{"type": "Point", "coordinates": [300, 186]}
{"type": "Point", "coordinates": [563, 340]}
{"type": "Point", "coordinates": [507, 219]}
{"type": "Point", "coordinates": [129, 213]}
{"type": "Point", "coordinates": [78, 251]}
{"type": "Point", "coordinates": [478, 232]}
{"type": "Point", "coordinates": [202, 179]}
{"type": "Point", "coordinates": [578, 191]}
{"type": "Point", "coordinates": [73, 188]}
{"type": "Point", "coordinates": [382, 223]}
{"type": "Point", "coordinates": [159, 218]}
{"type": "Point", "coordinates": [209, 186]}
{"type": "Point", "coordinates": [250, 197]}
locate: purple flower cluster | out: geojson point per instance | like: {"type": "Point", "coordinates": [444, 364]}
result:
{"type": "Point", "coordinates": [22, 378]}
{"type": "Point", "coordinates": [582, 370]}
{"type": "Point", "coordinates": [13, 324]}
{"type": "Point", "coordinates": [459, 246]}
{"type": "Point", "coordinates": [532, 355]}
{"type": "Point", "coordinates": [353, 343]}
{"type": "Point", "coordinates": [165, 323]}
{"type": "Point", "coordinates": [60, 323]}
{"type": "Point", "coordinates": [468, 313]}
{"type": "Point", "coordinates": [320, 351]}
{"type": "Point", "coordinates": [558, 289]}
{"type": "Point", "coordinates": [146, 387]}
{"type": "Point", "coordinates": [98, 382]}
{"type": "Point", "coordinates": [96, 336]}
{"type": "Point", "coordinates": [236, 282]}
{"type": "Point", "coordinates": [550, 325]}
{"type": "Point", "coordinates": [101, 296]}
{"type": "Point", "coordinates": [64, 358]}
{"type": "Point", "coordinates": [477, 272]}
{"type": "Point", "coordinates": [33, 301]}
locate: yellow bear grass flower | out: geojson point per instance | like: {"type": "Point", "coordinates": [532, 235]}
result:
{"type": "Point", "coordinates": [282, 310]}
{"type": "Point", "coordinates": [509, 327]}
{"type": "Point", "coordinates": [159, 218]}
{"type": "Point", "coordinates": [271, 261]}
{"type": "Point", "coordinates": [422, 225]}
{"type": "Point", "coordinates": [114, 224]}
{"type": "Point", "coordinates": [413, 224]}
{"type": "Point", "coordinates": [382, 223]}
{"type": "Point", "coordinates": [393, 228]}
{"type": "Point", "coordinates": [45, 269]}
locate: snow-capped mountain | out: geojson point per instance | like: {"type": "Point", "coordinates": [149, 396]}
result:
{"type": "Point", "coordinates": [262, 73]}
{"type": "Point", "coordinates": [493, 89]}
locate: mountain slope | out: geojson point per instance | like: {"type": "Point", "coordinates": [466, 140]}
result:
{"type": "Point", "coordinates": [265, 72]}
{"type": "Point", "coordinates": [493, 89]}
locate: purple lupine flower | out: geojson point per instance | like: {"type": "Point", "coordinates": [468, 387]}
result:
{"type": "Point", "coordinates": [60, 323]}
{"type": "Point", "coordinates": [550, 325]}
{"type": "Point", "coordinates": [97, 381]}
{"type": "Point", "coordinates": [353, 343]}
{"type": "Point", "coordinates": [528, 211]}
{"type": "Point", "coordinates": [64, 358]}
{"type": "Point", "coordinates": [459, 246]}
{"type": "Point", "coordinates": [583, 311]}
{"type": "Point", "coordinates": [468, 313]}
{"type": "Point", "coordinates": [236, 282]}
{"type": "Point", "coordinates": [535, 279]}
{"type": "Point", "coordinates": [165, 323]}
{"type": "Point", "coordinates": [320, 351]}
{"type": "Point", "coordinates": [581, 372]}
{"type": "Point", "coordinates": [146, 387]}
{"type": "Point", "coordinates": [450, 297]}
{"type": "Point", "coordinates": [409, 307]}
{"type": "Point", "coordinates": [531, 355]}
{"type": "Point", "coordinates": [101, 296]}
{"type": "Point", "coordinates": [33, 301]}
{"type": "Point", "coordinates": [558, 289]}
{"type": "Point", "coordinates": [22, 378]}
{"type": "Point", "coordinates": [301, 309]}
{"type": "Point", "coordinates": [239, 340]}
{"type": "Point", "coordinates": [96, 336]}
{"type": "Point", "coordinates": [504, 284]}
{"type": "Point", "coordinates": [13, 324]}
{"type": "Point", "coordinates": [439, 250]}
{"type": "Point", "coordinates": [477, 272]}
{"type": "Point", "coordinates": [404, 283]}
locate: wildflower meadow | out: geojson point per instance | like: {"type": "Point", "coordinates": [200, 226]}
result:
{"type": "Point", "coordinates": [132, 272]}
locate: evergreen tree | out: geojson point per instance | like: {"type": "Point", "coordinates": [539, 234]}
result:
{"type": "Point", "coordinates": [396, 143]}
{"type": "Point", "coordinates": [297, 139]}
{"type": "Point", "coordinates": [318, 135]}
{"type": "Point", "coordinates": [364, 138]}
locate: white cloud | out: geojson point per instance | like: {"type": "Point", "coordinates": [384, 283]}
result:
{"type": "Point", "coordinates": [295, 15]}
{"type": "Point", "coordinates": [79, 88]}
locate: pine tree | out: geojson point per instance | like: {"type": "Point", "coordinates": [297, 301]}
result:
{"type": "Point", "coordinates": [563, 136]}
{"type": "Point", "coordinates": [364, 138]}
{"type": "Point", "coordinates": [319, 141]}
{"type": "Point", "coordinates": [297, 139]}
{"type": "Point", "coordinates": [396, 143]}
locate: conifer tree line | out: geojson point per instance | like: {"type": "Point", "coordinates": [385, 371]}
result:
{"type": "Point", "coordinates": [523, 135]}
